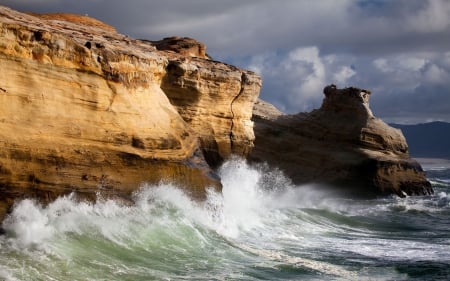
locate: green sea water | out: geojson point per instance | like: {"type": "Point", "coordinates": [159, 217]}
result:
{"type": "Point", "coordinates": [260, 228]}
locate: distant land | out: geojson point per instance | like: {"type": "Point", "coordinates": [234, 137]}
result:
{"type": "Point", "coordinates": [430, 140]}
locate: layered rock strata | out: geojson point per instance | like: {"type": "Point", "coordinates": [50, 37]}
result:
{"type": "Point", "coordinates": [85, 109]}
{"type": "Point", "coordinates": [185, 46]}
{"type": "Point", "coordinates": [341, 143]}
{"type": "Point", "coordinates": [215, 99]}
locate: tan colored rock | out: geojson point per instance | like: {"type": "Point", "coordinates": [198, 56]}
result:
{"type": "Point", "coordinates": [214, 99]}
{"type": "Point", "coordinates": [265, 110]}
{"type": "Point", "coordinates": [341, 143]}
{"type": "Point", "coordinates": [85, 109]}
{"type": "Point", "coordinates": [185, 46]}
{"type": "Point", "coordinates": [77, 19]}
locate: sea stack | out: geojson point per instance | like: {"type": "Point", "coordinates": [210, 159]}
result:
{"type": "Point", "coordinates": [341, 144]}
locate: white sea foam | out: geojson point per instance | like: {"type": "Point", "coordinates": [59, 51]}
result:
{"type": "Point", "coordinates": [238, 208]}
{"type": "Point", "coordinates": [250, 200]}
{"type": "Point", "coordinates": [259, 216]}
{"type": "Point", "coordinates": [5, 275]}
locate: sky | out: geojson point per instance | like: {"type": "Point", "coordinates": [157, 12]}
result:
{"type": "Point", "coordinates": [399, 50]}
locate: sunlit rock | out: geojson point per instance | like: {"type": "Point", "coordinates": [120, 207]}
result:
{"type": "Point", "coordinates": [85, 109]}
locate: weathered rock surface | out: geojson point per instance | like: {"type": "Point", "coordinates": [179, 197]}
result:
{"type": "Point", "coordinates": [214, 99]}
{"type": "Point", "coordinates": [341, 143]}
{"type": "Point", "coordinates": [185, 46]}
{"type": "Point", "coordinates": [85, 109]}
{"type": "Point", "coordinates": [77, 19]}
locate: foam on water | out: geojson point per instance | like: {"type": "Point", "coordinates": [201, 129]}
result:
{"type": "Point", "coordinates": [260, 225]}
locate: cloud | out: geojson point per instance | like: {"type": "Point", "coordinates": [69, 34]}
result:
{"type": "Point", "coordinates": [412, 87]}
{"type": "Point", "coordinates": [400, 50]}
{"type": "Point", "coordinates": [231, 27]}
{"type": "Point", "coordinates": [343, 74]}
{"type": "Point", "coordinates": [306, 66]}
{"type": "Point", "coordinates": [294, 81]}
{"type": "Point", "coordinates": [409, 87]}
{"type": "Point", "coordinates": [433, 17]}
{"type": "Point", "coordinates": [434, 74]}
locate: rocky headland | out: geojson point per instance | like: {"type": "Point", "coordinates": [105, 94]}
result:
{"type": "Point", "coordinates": [85, 109]}
{"type": "Point", "coordinates": [340, 144]}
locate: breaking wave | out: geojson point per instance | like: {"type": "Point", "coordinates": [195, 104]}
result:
{"type": "Point", "coordinates": [260, 227]}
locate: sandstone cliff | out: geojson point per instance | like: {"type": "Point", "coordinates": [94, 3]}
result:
{"type": "Point", "coordinates": [185, 46]}
{"type": "Point", "coordinates": [341, 143]}
{"type": "Point", "coordinates": [85, 109]}
{"type": "Point", "coordinates": [215, 99]}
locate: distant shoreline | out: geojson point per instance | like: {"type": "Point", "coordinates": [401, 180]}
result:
{"type": "Point", "coordinates": [430, 163]}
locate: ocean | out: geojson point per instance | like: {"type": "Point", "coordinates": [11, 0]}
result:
{"type": "Point", "coordinates": [260, 228]}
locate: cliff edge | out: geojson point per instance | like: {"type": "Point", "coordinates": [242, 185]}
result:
{"type": "Point", "coordinates": [342, 144]}
{"type": "Point", "coordinates": [88, 110]}
{"type": "Point", "coordinates": [85, 109]}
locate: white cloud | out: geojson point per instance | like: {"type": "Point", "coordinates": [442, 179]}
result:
{"type": "Point", "coordinates": [400, 63]}
{"type": "Point", "coordinates": [436, 75]}
{"type": "Point", "coordinates": [257, 64]}
{"type": "Point", "coordinates": [411, 63]}
{"type": "Point", "coordinates": [382, 65]}
{"type": "Point", "coordinates": [433, 18]}
{"type": "Point", "coordinates": [307, 68]}
{"type": "Point", "coordinates": [404, 71]}
{"type": "Point", "coordinates": [446, 60]}
{"type": "Point", "coordinates": [343, 74]}
{"type": "Point", "coordinates": [413, 86]}
{"type": "Point", "coordinates": [294, 80]}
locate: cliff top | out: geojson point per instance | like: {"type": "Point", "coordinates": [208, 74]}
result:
{"type": "Point", "coordinates": [351, 101]}
{"type": "Point", "coordinates": [78, 19]}
{"type": "Point", "coordinates": [84, 29]}
{"type": "Point", "coordinates": [182, 45]}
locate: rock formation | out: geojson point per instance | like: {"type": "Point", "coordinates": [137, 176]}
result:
{"type": "Point", "coordinates": [76, 19]}
{"type": "Point", "coordinates": [215, 99]}
{"type": "Point", "coordinates": [85, 109]}
{"type": "Point", "coordinates": [341, 143]}
{"type": "Point", "coordinates": [185, 46]}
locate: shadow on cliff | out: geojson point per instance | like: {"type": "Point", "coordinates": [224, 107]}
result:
{"type": "Point", "coordinates": [341, 146]}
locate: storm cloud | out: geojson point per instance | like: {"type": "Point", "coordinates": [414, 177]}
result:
{"type": "Point", "coordinates": [400, 50]}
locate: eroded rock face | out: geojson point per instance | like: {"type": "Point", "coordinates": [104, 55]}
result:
{"type": "Point", "coordinates": [77, 19]}
{"type": "Point", "coordinates": [85, 109]}
{"type": "Point", "coordinates": [185, 46]}
{"type": "Point", "coordinates": [341, 143]}
{"type": "Point", "coordinates": [214, 99]}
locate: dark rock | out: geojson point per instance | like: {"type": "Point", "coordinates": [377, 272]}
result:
{"type": "Point", "coordinates": [341, 144]}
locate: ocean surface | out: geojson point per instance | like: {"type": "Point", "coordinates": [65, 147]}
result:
{"type": "Point", "coordinates": [260, 228]}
